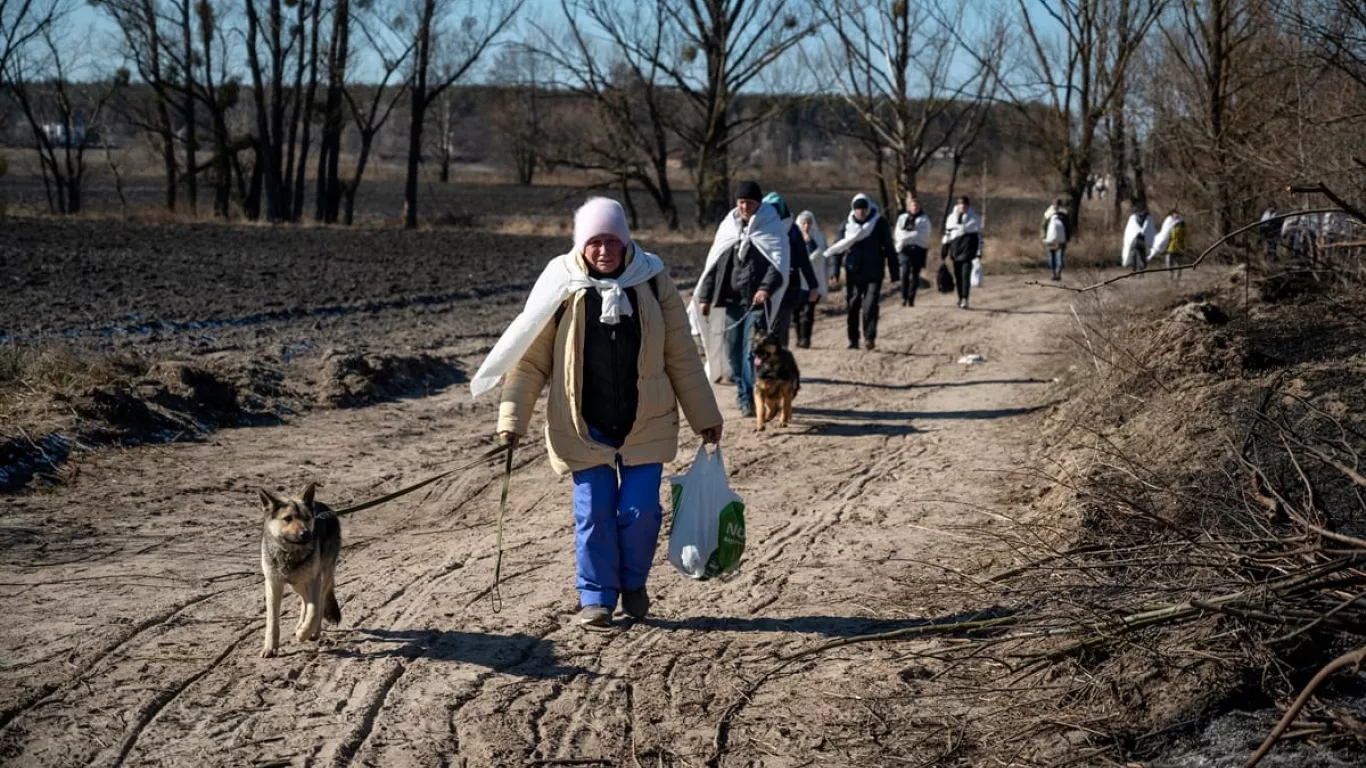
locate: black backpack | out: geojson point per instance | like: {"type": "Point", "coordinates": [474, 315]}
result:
{"type": "Point", "coordinates": [944, 279]}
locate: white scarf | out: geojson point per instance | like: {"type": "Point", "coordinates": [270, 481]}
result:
{"type": "Point", "coordinates": [861, 231]}
{"type": "Point", "coordinates": [562, 278]}
{"type": "Point", "coordinates": [765, 232]}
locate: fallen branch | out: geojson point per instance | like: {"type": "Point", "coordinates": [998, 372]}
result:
{"type": "Point", "coordinates": [1353, 659]}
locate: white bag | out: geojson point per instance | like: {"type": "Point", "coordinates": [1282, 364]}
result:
{"type": "Point", "coordinates": [707, 535]}
{"type": "Point", "coordinates": [976, 279]}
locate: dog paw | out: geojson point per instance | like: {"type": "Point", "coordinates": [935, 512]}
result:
{"type": "Point", "coordinates": [268, 653]}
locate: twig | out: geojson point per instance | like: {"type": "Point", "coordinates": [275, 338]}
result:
{"type": "Point", "coordinates": [1353, 659]}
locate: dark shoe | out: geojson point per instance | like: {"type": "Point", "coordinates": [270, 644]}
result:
{"type": "Point", "coordinates": [869, 344]}
{"type": "Point", "coordinates": [594, 617]}
{"type": "Point", "coordinates": [747, 410]}
{"type": "Point", "coordinates": [635, 603]}
{"type": "Point", "coordinates": [853, 345]}
{"type": "Point", "coordinates": [804, 344]}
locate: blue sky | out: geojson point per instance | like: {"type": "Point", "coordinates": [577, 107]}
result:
{"type": "Point", "coordinates": [105, 35]}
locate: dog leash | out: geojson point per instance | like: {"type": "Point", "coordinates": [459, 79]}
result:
{"type": "Point", "coordinates": [483, 459]}
{"type": "Point", "coordinates": [506, 450]}
{"type": "Point", "coordinates": [496, 595]}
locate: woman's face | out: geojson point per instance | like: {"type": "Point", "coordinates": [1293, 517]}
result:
{"type": "Point", "coordinates": [961, 207]}
{"type": "Point", "coordinates": [747, 208]}
{"type": "Point", "coordinates": [604, 253]}
{"type": "Point", "coordinates": [805, 224]}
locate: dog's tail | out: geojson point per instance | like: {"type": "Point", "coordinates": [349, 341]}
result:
{"type": "Point", "coordinates": [332, 611]}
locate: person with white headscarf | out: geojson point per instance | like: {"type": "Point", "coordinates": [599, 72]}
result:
{"type": "Point", "coordinates": [801, 277]}
{"type": "Point", "coordinates": [606, 327]}
{"type": "Point", "coordinates": [865, 240]}
{"type": "Point", "coordinates": [814, 242]}
{"type": "Point", "coordinates": [746, 274]}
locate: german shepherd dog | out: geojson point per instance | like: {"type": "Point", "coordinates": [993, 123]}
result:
{"type": "Point", "coordinates": [300, 545]}
{"type": "Point", "coordinates": [776, 379]}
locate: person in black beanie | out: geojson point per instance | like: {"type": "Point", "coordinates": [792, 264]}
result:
{"type": "Point", "coordinates": [742, 282]}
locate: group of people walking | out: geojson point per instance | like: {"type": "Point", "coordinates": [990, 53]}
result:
{"type": "Point", "coordinates": [767, 268]}
{"type": "Point", "coordinates": [1143, 242]}
{"type": "Point", "coordinates": [606, 329]}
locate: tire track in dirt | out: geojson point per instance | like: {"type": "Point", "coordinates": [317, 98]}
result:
{"type": "Point", "coordinates": [147, 713]}
{"type": "Point", "coordinates": [41, 696]}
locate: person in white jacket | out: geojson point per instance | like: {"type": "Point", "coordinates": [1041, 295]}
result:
{"type": "Point", "coordinates": [963, 235]}
{"type": "Point", "coordinates": [1139, 235]}
{"type": "Point", "coordinates": [1055, 236]}
{"type": "Point", "coordinates": [912, 239]}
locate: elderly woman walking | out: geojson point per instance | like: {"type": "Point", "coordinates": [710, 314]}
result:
{"type": "Point", "coordinates": [606, 327]}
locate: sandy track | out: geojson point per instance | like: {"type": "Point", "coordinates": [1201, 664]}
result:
{"type": "Point", "coordinates": [134, 607]}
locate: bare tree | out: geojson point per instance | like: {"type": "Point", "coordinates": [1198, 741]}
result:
{"type": "Point", "coordinates": [516, 115]}
{"type": "Point", "coordinates": [629, 135]}
{"type": "Point", "coordinates": [1075, 56]}
{"type": "Point", "coordinates": [21, 23]}
{"type": "Point", "coordinates": [271, 39]}
{"type": "Point", "coordinates": [370, 111]}
{"type": "Point", "coordinates": [467, 44]}
{"type": "Point", "coordinates": [721, 48]}
{"type": "Point", "coordinates": [65, 107]}
{"type": "Point", "coordinates": [894, 63]}
{"type": "Point", "coordinates": [327, 201]}
{"type": "Point", "coordinates": [141, 24]}
{"type": "Point", "coordinates": [218, 90]}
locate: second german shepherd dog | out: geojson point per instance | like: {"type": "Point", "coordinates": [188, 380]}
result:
{"type": "Point", "coordinates": [776, 379]}
{"type": "Point", "coordinates": [300, 545]}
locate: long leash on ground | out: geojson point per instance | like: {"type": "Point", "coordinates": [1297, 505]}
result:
{"type": "Point", "coordinates": [503, 450]}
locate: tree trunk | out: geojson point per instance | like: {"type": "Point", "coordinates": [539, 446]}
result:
{"type": "Point", "coordinates": [191, 121]}
{"type": "Point", "coordinates": [630, 204]}
{"type": "Point", "coordinates": [418, 113]}
{"type": "Point", "coordinates": [310, 101]}
{"type": "Point", "coordinates": [367, 139]}
{"type": "Point", "coordinates": [168, 160]}
{"type": "Point", "coordinates": [713, 186]}
{"type": "Point", "coordinates": [329, 153]}
{"type": "Point", "coordinates": [1140, 187]}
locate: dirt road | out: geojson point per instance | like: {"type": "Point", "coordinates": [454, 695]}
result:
{"type": "Point", "coordinates": [133, 606]}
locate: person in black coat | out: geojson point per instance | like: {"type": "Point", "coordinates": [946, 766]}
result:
{"type": "Point", "coordinates": [865, 240]}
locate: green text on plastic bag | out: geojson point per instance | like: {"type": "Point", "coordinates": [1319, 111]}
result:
{"type": "Point", "coordinates": [730, 543]}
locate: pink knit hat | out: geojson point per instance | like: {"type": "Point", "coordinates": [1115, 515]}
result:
{"type": "Point", "coordinates": [600, 216]}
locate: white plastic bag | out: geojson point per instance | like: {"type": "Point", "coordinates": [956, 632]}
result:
{"type": "Point", "coordinates": [976, 279]}
{"type": "Point", "coordinates": [707, 536]}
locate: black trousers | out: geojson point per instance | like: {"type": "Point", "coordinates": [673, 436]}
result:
{"type": "Point", "coordinates": [912, 261]}
{"type": "Point", "coordinates": [863, 299]}
{"type": "Point", "coordinates": [805, 318]}
{"type": "Point", "coordinates": [962, 277]}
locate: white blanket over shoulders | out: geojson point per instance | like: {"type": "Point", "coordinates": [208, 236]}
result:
{"type": "Point", "coordinates": [765, 232]}
{"type": "Point", "coordinates": [562, 277]}
{"type": "Point", "coordinates": [1133, 230]}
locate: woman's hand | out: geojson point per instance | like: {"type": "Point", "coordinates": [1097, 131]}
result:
{"type": "Point", "coordinates": [814, 296]}
{"type": "Point", "coordinates": [712, 435]}
{"type": "Point", "coordinates": [507, 438]}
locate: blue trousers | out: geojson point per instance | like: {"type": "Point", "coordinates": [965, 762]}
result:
{"type": "Point", "coordinates": [1055, 258]}
{"type": "Point", "coordinates": [740, 322]}
{"type": "Point", "coordinates": [616, 527]}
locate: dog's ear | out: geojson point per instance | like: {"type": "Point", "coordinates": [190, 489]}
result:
{"type": "Point", "coordinates": [269, 501]}
{"type": "Point", "coordinates": [307, 495]}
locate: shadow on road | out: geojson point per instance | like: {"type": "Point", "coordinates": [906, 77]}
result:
{"type": "Point", "coordinates": [523, 655]}
{"type": "Point", "coordinates": [826, 626]}
{"type": "Point", "coordinates": [919, 385]}
{"type": "Point", "coordinates": [873, 416]}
